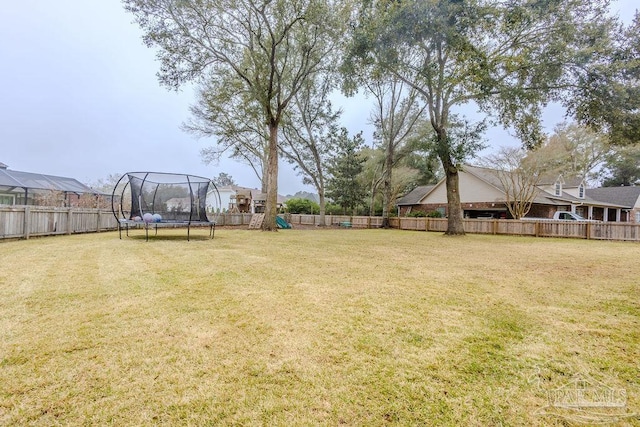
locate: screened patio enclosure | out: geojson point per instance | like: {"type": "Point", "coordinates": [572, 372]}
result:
{"type": "Point", "coordinates": [158, 199]}
{"type": "Point", "coordinates": [28, 188]}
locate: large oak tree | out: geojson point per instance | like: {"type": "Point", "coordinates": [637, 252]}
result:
{"type": "Point", "coordinates": [510, 58]}
{"type": "Point", "coordinates": [608, 95]}
{"type": "Point", "coordinates": [258, 51]}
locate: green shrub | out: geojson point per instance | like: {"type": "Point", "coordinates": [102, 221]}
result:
{"type": "Point", "coordinates": [421, 214]}
{"type": "Point", "coordinates": [302, 206]}
{"type": "Point", "coordinates": [333, 209]}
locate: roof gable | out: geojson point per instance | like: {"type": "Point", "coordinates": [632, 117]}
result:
{"type": "Point", "coordinates": [567, 181]}
{"type": "Point", "coordinates": [627, 196]}
{"type": "Point", "coordinates": [414, 196]}
{"type": "Point", "coordinates": [490, 176]}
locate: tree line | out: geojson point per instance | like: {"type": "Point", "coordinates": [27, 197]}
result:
{"type": "Point", "coordinates": [265, 70]}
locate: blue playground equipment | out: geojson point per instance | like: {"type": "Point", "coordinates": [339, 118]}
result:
{"type": "Point", "coordinates": [281, 223]}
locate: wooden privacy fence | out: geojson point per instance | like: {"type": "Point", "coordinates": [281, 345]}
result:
{"type": "Point", "coordinates": [22, 222]}
{"type": "Point", "coordinates": [329, 220]}
{"type": "Point", "coordinates": [234, 219]}
{"type": "Point", "coordinates": [544, 228]}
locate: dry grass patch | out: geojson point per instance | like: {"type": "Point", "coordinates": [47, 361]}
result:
{"type": "Point", "coordinates": [354, 327]}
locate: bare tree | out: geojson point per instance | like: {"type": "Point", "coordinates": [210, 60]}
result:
{"type": "Point", "coordinates": [396, 113]}
{"type": "Point", "coordinates": [53, 198]}
{"type": "Point", "coordinates": [576, 151]}
{"type": "Point", "coordinates": [519, 173]}
{"type": "Point", "coordinates": [371, 175]}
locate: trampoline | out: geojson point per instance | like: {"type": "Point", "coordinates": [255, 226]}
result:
{"type": "Point", "coordinates": [153, 200]}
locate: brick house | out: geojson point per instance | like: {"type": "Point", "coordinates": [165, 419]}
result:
{"type": "Point", "coordinates": [628, 196]}
{"type": "Point", "coordinates": [482, 195]}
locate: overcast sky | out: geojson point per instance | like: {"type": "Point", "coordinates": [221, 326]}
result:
{"type": "Point", "coordinates": [79, 98]}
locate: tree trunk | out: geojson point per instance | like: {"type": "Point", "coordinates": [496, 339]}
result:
{"type": "Point", "coordinates": [264, 188]}
{"type": "Point", "coordinates": [271, 205]}
{"type": "Point", "coordinates": [323, 206]}
{"type": "Point", "coordinates": [455, 225]}
{"type": "Point", "coordinates": [386, 185]}
{"type": "Point", "coordinates": [374, 186]}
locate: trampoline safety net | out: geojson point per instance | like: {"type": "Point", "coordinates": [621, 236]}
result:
{"type": "Point", "coordinates": [157, 198]}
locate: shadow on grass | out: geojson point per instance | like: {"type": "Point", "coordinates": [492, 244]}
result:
{"type": "Point", "coordinates": [169, 237]}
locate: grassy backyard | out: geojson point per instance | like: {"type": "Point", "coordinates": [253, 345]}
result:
{"type": "Point", "coordinates": [306, 327]}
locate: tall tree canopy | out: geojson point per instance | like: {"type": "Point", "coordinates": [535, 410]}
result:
{"type": "Point", "coordinates": [343, 186]}
{"type": "Point", "coordinates": [510, 58]}
{"type": "Point", "coordinates": [608, 95]}
{"type": "Point", "coordinates": [623, 166]}
{"type": "Point", "coordinates": [310, 132]}
{"type": "Point", "coordinates": [256, 51]}
{"type": "Point", "coordinates": [223, 179]}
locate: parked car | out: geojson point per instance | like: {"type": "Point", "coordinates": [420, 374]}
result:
{"type": "Point", "coordinates": [561, 216]}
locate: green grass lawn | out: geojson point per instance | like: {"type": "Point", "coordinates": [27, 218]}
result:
{"type": "Point", "coordinates": [312, 327]}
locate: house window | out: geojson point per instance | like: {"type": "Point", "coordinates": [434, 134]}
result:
{"type": "Point", "coordinates": [7, 200]}
{"type": "Point", "coordinates": [581, 191]}
{"type": "Point", "coordinates": [558, 188]}
{"type": "Point", "coordinates": [638, 217]}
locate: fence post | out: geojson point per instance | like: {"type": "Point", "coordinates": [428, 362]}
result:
{"type": "Point", "coordinates": [26, 226]}
{"type": "Point", "coordinates": [69, 221]}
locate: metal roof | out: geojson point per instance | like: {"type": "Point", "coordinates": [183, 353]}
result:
{"type": "Point", "coordinates": [16, 179]}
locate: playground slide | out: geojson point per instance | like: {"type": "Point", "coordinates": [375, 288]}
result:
{"type": "Point", "coordinates": [282, 223]}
